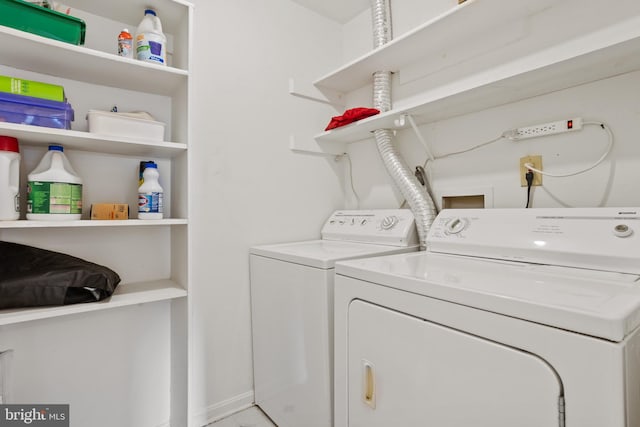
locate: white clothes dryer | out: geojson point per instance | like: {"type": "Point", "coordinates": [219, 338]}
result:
{"type": "Point", "coordinates": [292, 310]}
{"type": "Point", "coordinates": [512, 317]}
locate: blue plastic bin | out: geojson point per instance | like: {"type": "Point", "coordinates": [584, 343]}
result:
{"type": "Point", "coordinates": [35, 111]}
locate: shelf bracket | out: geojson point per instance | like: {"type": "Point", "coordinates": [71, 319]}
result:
{"type": "Point", "coordinates": [424, 143]}
{"type": "Point", "coordinates": [314, 149]}
{"type": "Point", "coordinates": [324, 96]}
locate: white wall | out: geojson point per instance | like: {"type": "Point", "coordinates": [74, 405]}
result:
{"type": "Point", "coordinates": [249, 188]}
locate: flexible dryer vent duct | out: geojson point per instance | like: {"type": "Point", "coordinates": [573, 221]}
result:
{"type": "Point", "coordinates": [420, 202]}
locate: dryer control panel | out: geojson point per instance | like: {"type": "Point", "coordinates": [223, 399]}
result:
{"type": "Point", "coordinates": [394, 227]}
{"type": "Point", "coordinates": [605, 239]}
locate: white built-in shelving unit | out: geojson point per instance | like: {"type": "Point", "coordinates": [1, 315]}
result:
{"type": "Point", "coordinates": [150, 256]}
{"type": "Point", "coordinates": [485, 53]}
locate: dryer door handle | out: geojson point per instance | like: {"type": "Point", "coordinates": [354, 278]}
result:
{"type": "Point", "coordinates": [369, 384]}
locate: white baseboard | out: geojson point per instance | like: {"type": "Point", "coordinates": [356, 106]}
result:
{"type": "Point", "coordinates": [223, 409]}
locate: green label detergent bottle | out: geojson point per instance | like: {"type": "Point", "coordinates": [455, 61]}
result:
{"type": "Point", "coordinates": [54, 188]}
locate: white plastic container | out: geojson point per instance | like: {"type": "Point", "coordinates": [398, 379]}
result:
{"type": "Point", "coordinates": [55, 189]}
{"type": "Point", "coordinates": [151, 43]}
{"type": "Point", "coordinates": [150, 194]}
{"type": "Point", "coordinates": [126, 125]}
{"type": "Point", "coordinates": [9, 178]}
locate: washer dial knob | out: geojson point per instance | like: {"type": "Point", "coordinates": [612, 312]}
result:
{"type": "Point", "coordinates": [388, 222]}
{"type": "Point", "coordinates": [455, 225]}
{"type": "Point", "coordinates": [622, 230]}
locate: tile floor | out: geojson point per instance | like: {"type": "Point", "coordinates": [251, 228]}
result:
{"type": "Point", "coordinates": [252, 417]}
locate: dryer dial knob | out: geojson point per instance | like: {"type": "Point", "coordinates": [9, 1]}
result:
{"type": "Point", "coordinates": [455, 225]}
{"type": "Point", "coordinates": [622, 230]}
{"type": "Point", "coordinates": [388, 222]}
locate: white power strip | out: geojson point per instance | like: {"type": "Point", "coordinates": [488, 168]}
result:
{"type": "Point", "coordinates": [544, 129]}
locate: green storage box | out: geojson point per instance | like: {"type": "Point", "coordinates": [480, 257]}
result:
{"type": "Point", "coordinates": [44, 22]}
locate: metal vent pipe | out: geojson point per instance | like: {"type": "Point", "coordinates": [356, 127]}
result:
{"type": "Point", "coordinates": [419, 201]}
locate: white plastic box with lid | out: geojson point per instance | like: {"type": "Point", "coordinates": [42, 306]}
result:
{"type": "Point", "coordinates": [135, 125]}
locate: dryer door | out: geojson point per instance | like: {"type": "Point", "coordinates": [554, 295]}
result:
{"type": "Point", "coordinates": [405, 371]}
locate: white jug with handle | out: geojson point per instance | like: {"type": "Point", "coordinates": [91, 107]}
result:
{"type": "Point", "coordinates": [9, 178]}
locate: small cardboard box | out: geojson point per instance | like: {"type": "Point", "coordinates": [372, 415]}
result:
{"type": "Point", "coordinates": [109, 211]}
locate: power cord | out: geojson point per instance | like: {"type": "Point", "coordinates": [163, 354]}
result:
{"type": "Point", "coordinates": [355, 194]}
{"type": "Point", "coordinates": [427, 185]}
{"type": "Point", "coordinates": [475, 147]}
{"type": "Point", "coordinates": [597, 162]}
{"type": "Point", "coordinates": [529, 177]}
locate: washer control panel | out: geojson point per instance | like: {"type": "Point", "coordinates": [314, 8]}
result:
{"type": "Point", "coordinates": [378, 226]}
{"type": "Point", "coordinates": [596, 238]}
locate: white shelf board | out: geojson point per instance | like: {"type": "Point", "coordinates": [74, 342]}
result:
{"type": "Point", "coordinates": [92, 223]}
{"type": "Point", "coordinates": [362, 129]}
{"type": "Point", "coordinates": [125, 294]}
{"type": "Point", "coordinates": [326, 96]}
{"type": "Point", "coordinates": [85, 141]}
{"type": "Point", "coordinates": [31, 52]}
{"type": "Point", "coordinates": [172, 13]}
{"type": "Point", "coordinates": [599, 55]}
{"type": "Point", "coordinates": [309, 146]}
{"type": "Point", "coordinates": [466, 20]}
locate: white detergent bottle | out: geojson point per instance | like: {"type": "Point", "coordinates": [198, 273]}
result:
{"type": "Point", "coordinates": [150, 194]}
{"type": "Point", "coordinates": [9, 178]}
{"type": "Point", "coordinates": [151, 43]}
{"type": "Point", "coordinates": [55, 189]}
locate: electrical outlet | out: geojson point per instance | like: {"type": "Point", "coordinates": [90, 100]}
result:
{"type": "Point", "coordinates": [544, 129]}
{"type": "Point", "coordinates": [536, 162]}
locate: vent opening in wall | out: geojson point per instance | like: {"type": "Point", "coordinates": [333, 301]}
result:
{"type": "Point", "coordinates": [464, 197]}
{"type": "Point", "coordinates": [463, 202]}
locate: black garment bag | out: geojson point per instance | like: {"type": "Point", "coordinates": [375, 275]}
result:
{"type": "Point", "coordinates": [36, 277]}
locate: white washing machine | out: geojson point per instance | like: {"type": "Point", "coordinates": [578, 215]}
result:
{"type": "Point", "coordinates": [292, 310]}
{"type": "Point", "coordinates": [512, 317]}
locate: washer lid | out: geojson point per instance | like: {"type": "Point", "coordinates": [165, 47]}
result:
{"type": "Point", "coordinates": [596, 303]}
{"type": "Point", "coordinates": [324, 253]}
